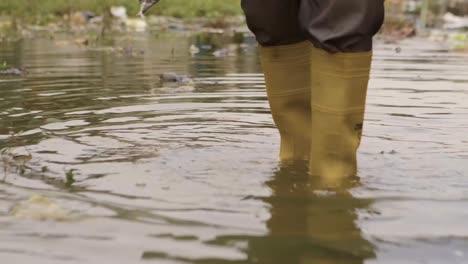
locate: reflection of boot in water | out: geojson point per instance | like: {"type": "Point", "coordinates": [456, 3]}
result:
{"type": "Point", "coordinates": [307, 226]}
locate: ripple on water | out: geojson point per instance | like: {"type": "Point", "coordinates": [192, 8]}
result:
{"type": "Point", "coordinates": [188, 174]}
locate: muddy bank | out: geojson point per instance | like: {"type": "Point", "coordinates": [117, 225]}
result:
{"type": "Point", "coordinates": [117, 21]}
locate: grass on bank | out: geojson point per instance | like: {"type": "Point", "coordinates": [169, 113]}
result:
{"type": "Point", "coordinates": [41, 11]}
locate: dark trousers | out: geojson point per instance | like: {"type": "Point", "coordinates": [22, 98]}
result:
{"type": "Point", "coordinates": [332, 25]}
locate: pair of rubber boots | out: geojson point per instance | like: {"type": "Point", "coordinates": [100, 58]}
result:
{"type": "Point", "coordinates": [317, 100]}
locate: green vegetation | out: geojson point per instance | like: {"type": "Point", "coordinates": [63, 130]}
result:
{"type": "Point", "coordinates": [69, 178]}
{"type": "Point", "coordinates": [198, 8]}
{"type": "Point", "coordinates": [42, 11]}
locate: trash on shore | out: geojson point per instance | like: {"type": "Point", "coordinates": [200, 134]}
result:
{"type": "Point", "coordinates": [455, 22]}
{"type": "Point", "coordinates": [119, 12]}
{"type": "Point", "coordinates": [194, 50]}
{"type": "Point", "coordinates": [133, 24]}
{"type": "Point", "coordinates": [78, 42]}
{"type": "Point", "coordinates": [230, 50]}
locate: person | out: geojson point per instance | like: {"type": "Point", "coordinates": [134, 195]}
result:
{"type": "Point", "coordinates": [316, 57]}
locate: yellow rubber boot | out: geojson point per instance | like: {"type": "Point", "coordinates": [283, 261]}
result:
{"type": "Point", "coordinates": [339, 90]}
{"type": "Point", "coordinates": [287, 77]}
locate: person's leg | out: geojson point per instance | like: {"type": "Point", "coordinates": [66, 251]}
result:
{"type": "Point", "coordinates": [284, 54]}
{"type": "Point", "coordinates": [341, 26]}
{"type": "Point", "coordinates": [274, 22]}
{"type": "Point", "coordinates": [341, 32]}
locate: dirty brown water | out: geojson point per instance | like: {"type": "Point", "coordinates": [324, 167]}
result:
{"type": "Point", "coordinates": [157, 173]}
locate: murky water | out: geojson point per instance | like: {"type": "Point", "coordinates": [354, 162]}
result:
{"type": "Point", "coordinates": [156, 173]}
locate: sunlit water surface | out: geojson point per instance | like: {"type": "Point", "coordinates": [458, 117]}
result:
{"type": "Point", "coordinates": [188, 173]}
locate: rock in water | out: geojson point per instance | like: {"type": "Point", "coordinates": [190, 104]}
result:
{"type": "Point", "coordinates": [145, 5]}
{"type": "Point", "coordinates": [41, 208]}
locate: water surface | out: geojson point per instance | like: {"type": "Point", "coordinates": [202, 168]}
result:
{"type": "Point", "coordinates": [188, 173]}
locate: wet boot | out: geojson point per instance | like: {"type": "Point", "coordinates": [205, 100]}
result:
{"type": "Point", "coordinates": [339, 87]}
{"type": "Point", "coordinates": [287, 77]}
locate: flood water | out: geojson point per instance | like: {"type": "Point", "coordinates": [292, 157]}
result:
{"type": "Point", "coordinates": [149, 172]}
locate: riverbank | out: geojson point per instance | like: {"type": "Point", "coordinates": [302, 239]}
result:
{"type": "Point", "coordinates": [45, 11]}
{"type": "Point", "coordinates": [93, 28]}
{"type": "Point", "coordinates": [91, 22]}
{"type": "Point", "coordinates": [22, 18]}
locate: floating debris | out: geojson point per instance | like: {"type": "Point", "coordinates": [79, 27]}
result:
{"type": "Point", "coordinates": [194, 50]}
{"type": "Point", "coordinates": [14, 71]}
{"type": "Point", "coordinates": [18, 161]}
{"type": "Point", "coordinates": [392, 152]}
{"type": "Point", "coordinates": [174, 77]}
{"type": "Point", "coordinates": [42, 208]}
{"type": "Point", "coordinates": [70, 180]}
{"type": "Point", "coordinates": [128, 51]}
